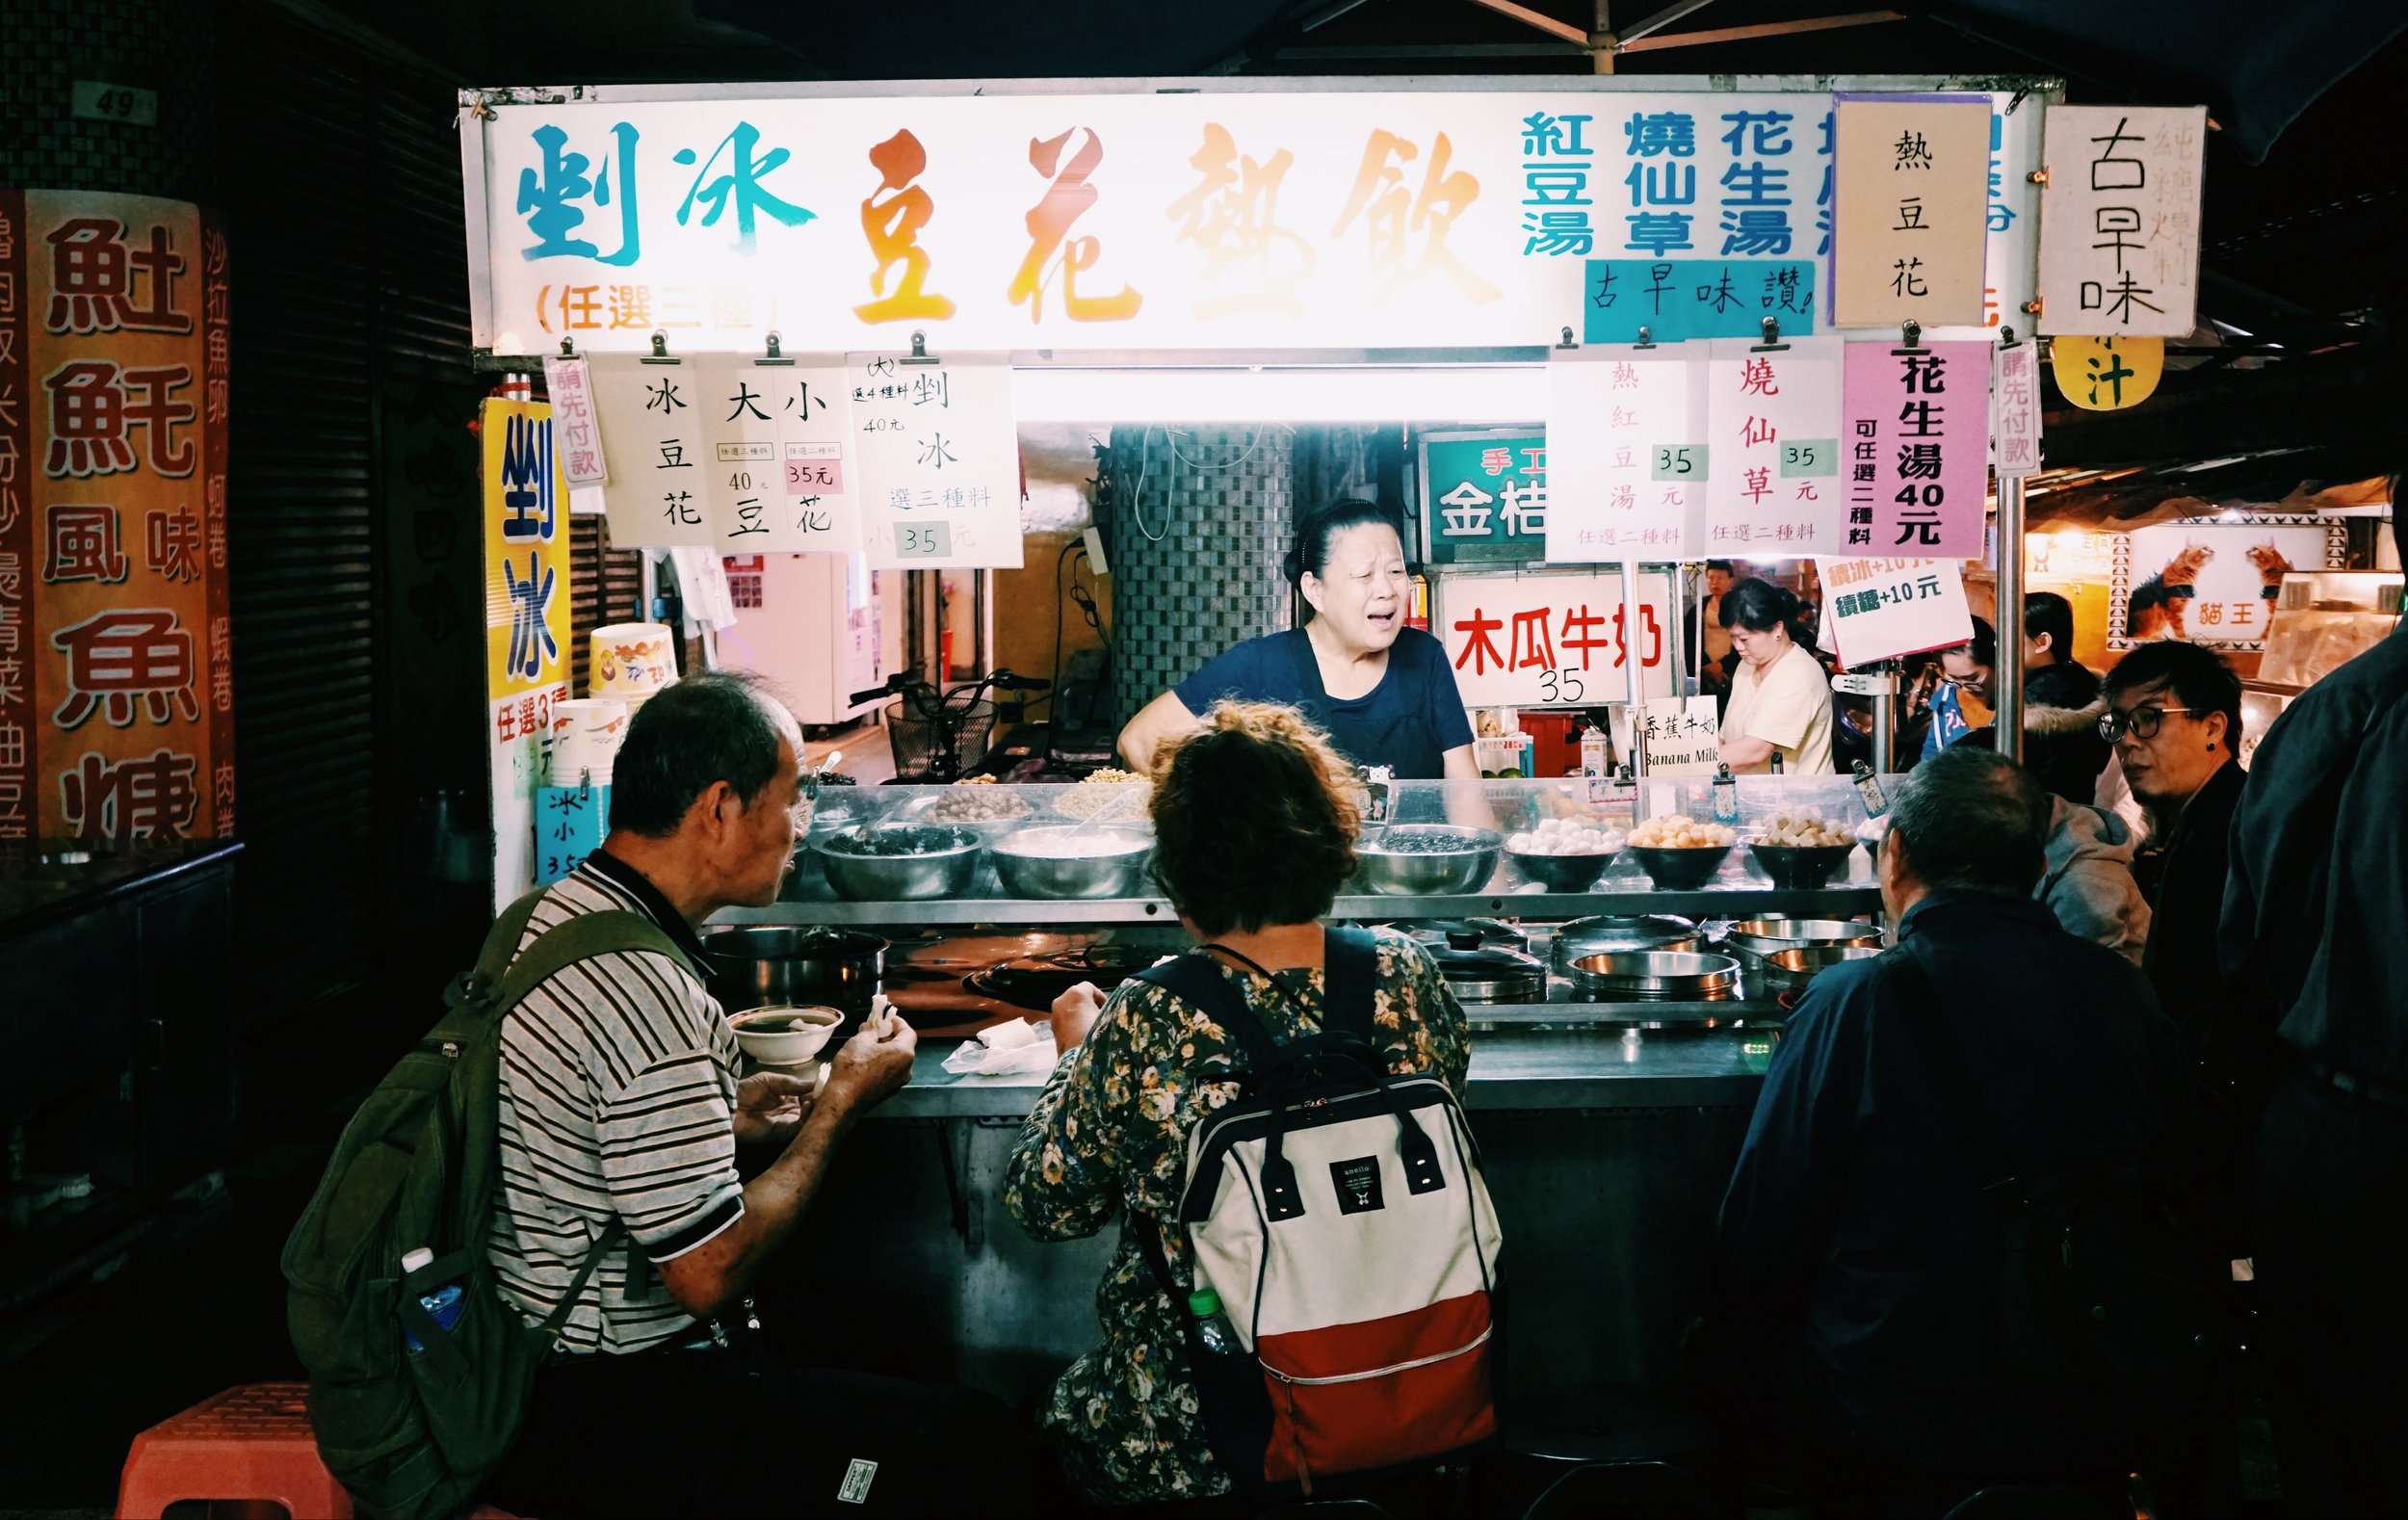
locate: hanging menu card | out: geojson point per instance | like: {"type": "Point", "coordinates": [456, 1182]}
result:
{"type": "Point", "coordinates": [1772, 416]}
{"type": "Point", "coordinates": [1627, 458]}
{"type": "Point", "coordinates": [659, 495]}
{"type": "Point", "coordinates": [780, 437]}
{"type": "Point", "coordinates": [939, 455]}
{"type": "Point", "coordinates": [1918, 471]}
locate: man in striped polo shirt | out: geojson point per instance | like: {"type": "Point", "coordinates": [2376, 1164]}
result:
{"type": "Point", "coordinates": [621, 1109]}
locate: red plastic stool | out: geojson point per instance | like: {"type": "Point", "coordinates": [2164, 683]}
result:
{"type": "Point", "coordinates": [246, 1444]}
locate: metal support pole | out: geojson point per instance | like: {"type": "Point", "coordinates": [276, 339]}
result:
{"type": "Point", "coordinates": [2007, 701]}
{"type": "Point", "coordinates": [1885, 720]}
{"type": "Point", "coordinates": [1638, 691]}
{"type": "Point", "coordinates": [1676, 654]}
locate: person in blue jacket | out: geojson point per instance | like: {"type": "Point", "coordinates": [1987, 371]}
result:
{"type": "Point", "coordinates": [1383, 693]}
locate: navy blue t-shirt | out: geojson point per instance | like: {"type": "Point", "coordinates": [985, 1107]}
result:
{"type": "Point", "coordinates": [1409, 721]}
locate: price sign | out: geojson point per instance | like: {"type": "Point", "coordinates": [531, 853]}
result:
{"type": "Point", "coordinates": [1551, 640]}
{"type": "Point", "coordinates": [815, 469]}
{"type": "Point", "coordinates": [1682, 461]}
{"type": "Point", "coordinates": [923, 540]}
{"type": "Point", "coordinates": [1809, 458]}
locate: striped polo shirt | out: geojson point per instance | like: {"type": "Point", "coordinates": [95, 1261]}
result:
{"type": "Point", "coordinates": [618, 1093]}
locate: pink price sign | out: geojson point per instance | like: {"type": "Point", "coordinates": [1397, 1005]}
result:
{"type": "Point", "coordinates": [1916, 450]}
{"type": "Point", "coordinates": [815, 477]}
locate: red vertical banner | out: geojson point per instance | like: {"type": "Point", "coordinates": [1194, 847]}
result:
{"type": "Point", "coordinates": [19, 804]}
{"type": "Point", "coordinates": [124, 462]}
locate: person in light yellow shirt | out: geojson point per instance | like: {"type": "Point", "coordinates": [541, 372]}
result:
{"type": "Point", "coordinates": [1780, 699]}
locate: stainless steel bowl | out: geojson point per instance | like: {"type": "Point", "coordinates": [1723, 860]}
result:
{"type": "Point", "coordinates": [1558, 873]}
{"type": "Point", "coordinates": [753, 965]}
{"type": "Point", "coordinates": [1768, 937]}
{"type": "Point", "coordinates": [935, 873]}
{"type": "Point", "coordinates": [1789, 970]}
{"type": "Point", "coordinates": [1453, 862]}
{"type": "Point", "coordinates": [1111, 862]}
{"type": "Point", "coordinates": [1656, 975]}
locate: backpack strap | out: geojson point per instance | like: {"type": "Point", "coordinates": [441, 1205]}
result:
{"type": "Point", "coordinates": [1351, 981]}
{"type": "Point", "coordinates": [611, 931]}
{"type": "Point", "coordinates": [1198, 980]}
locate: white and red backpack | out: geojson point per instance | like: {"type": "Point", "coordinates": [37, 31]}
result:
{"type": "Point", "coordinates": [1339, 1214]}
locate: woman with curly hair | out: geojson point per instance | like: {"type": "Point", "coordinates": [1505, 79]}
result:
{"type": "Point", "coordinates": [1254, 828]}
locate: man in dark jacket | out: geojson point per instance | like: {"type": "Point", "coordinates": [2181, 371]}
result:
{"type": "Point", "coordinates": [2313, 922]}
{"type": "Point", "coordinates": [1856, 1228]}
{"type": "Point", "coordinates": [2174, 716]}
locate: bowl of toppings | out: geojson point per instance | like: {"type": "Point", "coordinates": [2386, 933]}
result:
{"type": "Point", "coordinates": [899, 862]}
{"type": "Point", "coordinates": [1563, 855]}
{"type": "Point", "coordinates": [975, 800]}
{"type": "Point", "coordinates": [1680, 853]}
{"type": "Point", "coordinates": [1073, 861]}
{"type": "Point", "coordinates": [784, 1037]}
{"type": "Point", "coordinates": [1801, 851]}
{"type": "Point", "coordinates": [1117, 797]}
{"type": "Point", "coordinates": [1426, 860]}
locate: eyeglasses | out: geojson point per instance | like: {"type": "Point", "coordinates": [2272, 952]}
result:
{"type": "Point", "coordinates": [1966, 683]}
{"type": "Point", "coordinates": [2141, 723]}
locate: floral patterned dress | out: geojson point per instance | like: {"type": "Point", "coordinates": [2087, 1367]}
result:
{"type": "Point", "coordinates": [1110, 1135]}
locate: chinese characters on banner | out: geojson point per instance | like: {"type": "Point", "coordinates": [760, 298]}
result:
{"type": "Point", "coordinates": [1917, 471]}
{"type": "Point", "coordinates": [1913, 211]}
{"type": "Point", "coordinates": [660, 477]}
{"type": "Point", "coordinates": [2015, 410]}
{"type": "Point", "coordinates": [939, 456]}
{"type": "Point", "coordinates": [2106, 373]}
{"type": "Point", "coordinates": [1884, 607]}
{"type": "Point", "coordinates": [2119, 226]}
{"type": "Point", "coordinates": [1551, 640]}
{"type": "Point", "coordinates": [1292, 220]}
{"type": "Point", "coordinates": [2213, 582]}
{"type": "Point", "coordinates": [1682, 736]}
{"type": "Point", "coordinates": [778, 440]}
{"type": "Point", "coordinates": [1774, 431]}
{"type": "Point", "coordinates": [527, 622]}
{"type": "Point", "coordinates": [571, 389]}
{"type": "Point", "coordinates": [1627, 452]}
{"type": "Point", "coordinates": [1484, 496]}
{"type": "Point", "coordinates": [117, 698]}
{"type": "Point", "coordinates": [1676, 300]}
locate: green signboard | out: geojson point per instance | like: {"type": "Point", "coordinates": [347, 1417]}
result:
{"type": "Point", "coordinates": [1484, 496]}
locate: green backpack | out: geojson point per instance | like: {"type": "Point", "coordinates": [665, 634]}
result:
{"type": "Point", "coordinates": [412, 1434]}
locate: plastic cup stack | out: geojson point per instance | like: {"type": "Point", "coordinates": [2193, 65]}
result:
{"type": "Point", "coordinates": [586, 736]}
{"type": "Point", "coordinates": [631, 662]}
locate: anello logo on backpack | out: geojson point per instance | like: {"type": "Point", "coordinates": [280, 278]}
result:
{"type": "Point", "coordinates": [1357, 1182]}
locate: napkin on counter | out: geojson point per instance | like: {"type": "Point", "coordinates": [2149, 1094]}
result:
{"type": "Point", "coordinates": [1011, 1048]}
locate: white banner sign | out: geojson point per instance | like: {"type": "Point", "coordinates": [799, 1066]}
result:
{"type": "Point", "coordinates": [1145, 218]}
{"type": "Point", "coordinates": [1627, 459]}
{"type": "Point", "coordinates": [2119, 229]}
{"type": "Point", "coordinates": [2208, 580]}
{"type": "Point", "coordinates": [1882, 608]}
{"type": "Point", "coordinates": [1551, 640]}
{"type": "Point", "coordinates": [1911, 244]}
{"type": "Point", "coordinates": [940, 462]}
{"type": "Point", "coordinates": [1683, 736]}
{"type": "Point", "coordinates": [1772, 432]}
{"type": "Point", "coordinates": [660, 490]}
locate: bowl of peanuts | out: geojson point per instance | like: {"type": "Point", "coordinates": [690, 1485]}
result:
{"type": "Point", "coordinates": [1681, 854]}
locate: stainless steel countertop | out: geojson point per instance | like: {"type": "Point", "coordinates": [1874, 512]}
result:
{"type": "Point", "coordinates": [1512, 1069]}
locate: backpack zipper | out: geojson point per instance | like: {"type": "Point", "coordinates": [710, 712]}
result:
{"type": "Point", "coordinates": [1472, 1345]}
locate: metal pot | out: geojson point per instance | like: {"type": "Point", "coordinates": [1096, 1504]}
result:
{"type": "Point", "coordinates": [1478, 973]}
{"type": "Point", "coordinates": [764, 966]}
{"type": "Point", "coordinates": [1759, 937]}
{"type": "Point", "coordinates": [1656, 976]}
{"type": "Point", "coordinates": [1610, 934]}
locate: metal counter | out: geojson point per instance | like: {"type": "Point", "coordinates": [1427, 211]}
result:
{"type": "Point", "coordinates": [1607, 1155]}
{"type": "Point", "coordinates": [1513, 1070]}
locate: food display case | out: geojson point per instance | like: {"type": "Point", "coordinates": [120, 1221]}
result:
{"type": "Point", "coordinates": [1478, 871]}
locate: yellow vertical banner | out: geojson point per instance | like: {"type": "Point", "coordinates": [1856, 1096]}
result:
{"type": "Point", "coordinates": [527, 620]}
{"type": "Point", "coordinates": [117, 694]}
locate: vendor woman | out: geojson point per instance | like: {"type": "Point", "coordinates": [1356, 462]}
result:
{"type": "Point", "coordinates": [1384, 693]}
{"type": "Point", "coordinates": [1780, 699]}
